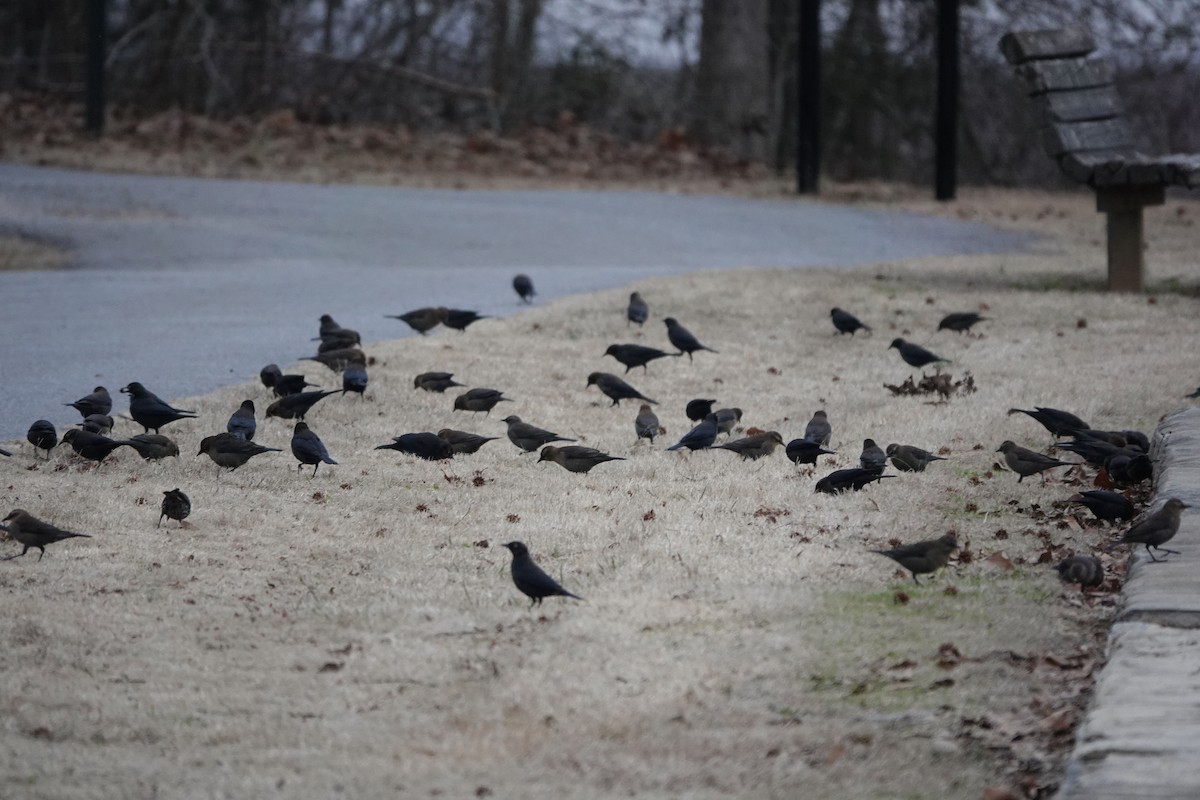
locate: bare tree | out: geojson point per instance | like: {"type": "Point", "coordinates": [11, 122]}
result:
{"type": "Point", "coordinates": [733, 78]}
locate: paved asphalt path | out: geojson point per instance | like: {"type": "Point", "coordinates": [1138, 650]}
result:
{"type": "Point", "coordinates": [187, 285]}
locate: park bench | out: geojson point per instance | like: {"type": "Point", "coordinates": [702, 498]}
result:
{"type": "Point", "coordinates": [1085, 131]}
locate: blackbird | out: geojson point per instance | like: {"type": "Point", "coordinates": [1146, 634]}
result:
{"type": "Point", "coordinates": [354, 377]}
{"type": "Point", "coordinates": [336, 360]}
{"type": "Point", "coordinates": [1105, 505]}
{"type": "Point", "coordinates": [700, 437]}
{"type": "Point", "coordinates": [752, 448]}
{"type": "Point", "coordinates": [635, 355]}
{"type": "Point", "coordinates": [846, 480]}
{"type": "Point", "coordinates": [960, 322]}
{"type": "Point", "coordinates": [1194, 394]}
{"type": "Point", "coordinates": [98, 402]}
{"type": "Point", "coordinates": [480, 400]}
{"type": "Point", "coordinates": [463, 442]}
{"type": "Point", "coordinates": [530, 437]}
{"type": "Point", "coordinates": [1026, 462]}
{"type": "Point", "coordinates": [153, 446]}
{"type": "Point", "coordinates": [330, 329]}
{"type": "Point", "coordinates": [227, 450]}
{"type": "Point", "coordinates": [458, 318]}
{"type": "Point", "coordinates": [435, 381]}
{"type": "Point", "coordinates": [338, 340]}
{"type": "Point", "coordinates": [308, 448]}
{"type": "Point", "coordinates": [42, 435]}
{"type": "Point", "coordinates": [1084, 570]}
{"type": "Point", "coordinates": [698, 409]}
{"type": "Point", "coordinates": [818, 428]}
{"type": "Point", "coordinates": [914, 355]}
{"type": "Point", "coordinates": [802, 451]}
{"type": "Point", "coordinates": [176, 506]}
{"type": "Point", "coordinates": [872, 456]}
{"type": "Point", "coordinates": [1156, 529]}
{"type": "Point", "coordinates": [30, 531]}
{"type": "Point", "coordinates": [421, 320]}
{"type": "Point", "coordinates": [682, 339]}
{"type": "Point", "coordinates": [97, 423]}
{"type": "Point", "coordinates": [523, 286]}
{"type": "Point", "coordinates": [646, 423]}
{"type": "Point", "coordinates": [616, 389]}
{"type": "Point", "coordinates": [296, 406]}
{"type": "Point", "coordinates": [924, 557]}
{"type": "Point", "coordinates": [575, 459]}
{"type": "Point", "coordinates": [1058, 423]}
{"type": "Point", "coordinates": [282, 385]}
{"type": "Point", "coordinates": [151, 412]}
{"type": "Point", "coordinates": [425, 445]}
{"type": "Point", "coordinates": [637, 310]}
{"type": "Point", "coordinates": [909, 458]}
{"type": "Point", "coordinates": [530, 579]}
{"type": "Point", "coordinates": [845, 322]}
{"type": "Point", "coordinates": [92, 446]}
{"type": "Point", "coordinates": [241, 422]}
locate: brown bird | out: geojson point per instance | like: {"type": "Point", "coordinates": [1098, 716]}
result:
{"type": "Point", "coordinates": [818, 429]}
{"type": "Point", "coordinates": [227, 450]}
{"type": "Point", "coordinates": [752, 448]}
{"type": "Point", "coordinates": [153, 446]}
{"type": "Point", "coordinates": [1084, 570]}
{"type": "Point", "coordinates": [479, 400]}
{"type": "Point", "coordinates": [637, 310]}
{"type": "Point", "coordinates": [1026, 462]}
{"type": "Point", "coordinates": [463, 442]}
{"type": "Point", "coordinates": [575, 459]}
{"type": "Point", "coordinates": [175, 505]}
{"type": "Point", "coordinates": [872, 456]}
{"type": "Point", "coordinates": [336, 360]}
{"type": "Point", "coordinates": [923, 557]}
{"type": "Point", "coordinates": [646, 423]}
{"type": "Point", "coordinates": [421, 320]}
{"type": "Point", "coordinates": [435, 381]}
{"type": "Point", "coordinates": [530, 437]}
{"type": "Point", "coordinates": [907, 458]}
{"type": "Point", "coordinates": [32, 532]}
{"type": "Point", "coordinates": [727, 418]}
{"type": "Point", "coordinates": [1156, 529]}
{"type": "Point", "coordinates": [92, 446]}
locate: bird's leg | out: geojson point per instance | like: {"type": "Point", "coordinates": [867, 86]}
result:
{"type": "Point", "coordinates": [1150, 553]}
{"type": "Point", "coordinates": [1167, 550]}
{"type": "Point", "coordinates": [42, 553]}
{"type": "Point", "coordinates": [315, 469]}
{"type": "Point", "coordinates": [917, 582]}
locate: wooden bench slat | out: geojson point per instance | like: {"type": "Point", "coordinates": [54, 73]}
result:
{"type": "Point", "coordinates": [1073, 137]}
{"type": "Point", "coordinates": [1074, 73]}
{"type": "Point", "coordinates": [1021, 46]}
{"type": "Point", "coordinates": [1077, 106]}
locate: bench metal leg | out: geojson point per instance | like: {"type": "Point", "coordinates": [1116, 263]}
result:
{"type": "Point", "coordinates": [1126, 262]}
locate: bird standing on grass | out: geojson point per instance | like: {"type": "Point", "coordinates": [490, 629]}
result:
{"type": "Point", "coordinates": [296, 406]}
{"type": "Point", "coordinates": [635, 355]}
{"type": "Point", "coordinates": [530, 579]}
{"type": "Point", "coordinates": [30, 531]}
{"type": "Point", "coordinates": [616, 389]}
{"type": "Point", "coordinates": [480, 400]}
{"type": "Point", "coordinates": [153, 446]}
{"type": "Point", "coordinates": [241, 422]}
{"type": "Point", "coordinates": [698, 409]}
{"type": "Point", "coordinates": [1056, 421]}
{"type": "Point", "coordinates": [914, 355]}
{"type": "Point", "coordinates": [909, 458]}
{"type": "Point", "coordinates": [853, 479]}
{"type": "Point", "coordinates": [845, 322]}
{"type": "Point", "coordinates": [92, 446]}
{"type": "Point", "coordinates": [646, 423]}
{"type": "Point", "coordinates": [818, 429]}
{"type": "Point", "coordinates": [227, 450]}
{"type": "Point", "coordinates": [872, 456]}
{"type": "Point", "coordinates": [682, 339]}
{"type": "Point", "coordinates": [523, 285]}
{"type": "Point", "coordinates": [354, 376]}
{"type": "Point", "coordinates": [1026, 462]}
{"type": "Point", "coordinates": [802, 451]}
{"type": "Point", "coordinates": [700, 437]}
{"type": "Point", "coordinates": [435, 381]}
{"type": "Point", "coordinates": [463, 442]}
{"type": "Point", "coordinates": [575, 459]}
{"type": "Point", "coordinates": [175, 505]}
{"type": "Point", "coordinates": [960, 321]}
{"type": "Point", "coordinates": [308, 448]}
{"type": "Point", "coordinates": [1105, 505]}
{"type": "Point", "coordinates": [459, 318]}
{"type": "Point", "coordinates": [423, 445]}
{"type": "Point", "coordinates": [1156, 529]}
{"type": "Point", "coordinates": [150, 411]}
{"type": "Point", "coordinates": [924, 557]}
{"type": "Point", "coordinates": [752, 448]}
{"type": "Point", "coordinates": [637, 310]}
{"type": "Point", "coordinates": [530, 437]}
{"type": "Point", "coordinates": [421, 320]}
{"type": "Point", "coordinates": [1084, 570]}
{"type": "Point", "coordinates": [98, 402]}
{"type": "Point", "coordinates": [42, 435]}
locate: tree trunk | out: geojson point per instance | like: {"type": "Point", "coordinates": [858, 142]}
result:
{"type": "Point", "coordinates": [733, 78]}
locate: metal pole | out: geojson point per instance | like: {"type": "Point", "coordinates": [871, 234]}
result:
{"type": "Point", "coordinates": [96, 26]}
{"type": "Point", "coordinates": [808, 104]}
{"type": "Point", "coordinates": [946, 135]}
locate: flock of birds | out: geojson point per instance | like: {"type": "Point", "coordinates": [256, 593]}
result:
{"type": "Point", "coordinates": [1121, 457]}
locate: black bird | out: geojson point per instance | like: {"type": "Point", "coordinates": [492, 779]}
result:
{"type": "Point", "coordinates": [637, 310]}
{"type": "Point", "coordinates": [354, 377]}
{"type": "Point", "coordinates": [909, 458]}
{"type": "Point", "coordinates": [1105, 505]}
{"type": "Point", "coordinates": [338, 340]}
{"type": "Point", "coordinates": [530, 437]}
{"type": "Point", "coordinates": [845, 322]}
{"type": "Point", "coordinates": [1084, 570]}
{"type": "Point", "coordinates": [1128, 470]}
{"type": "Point", "coordinates": [523, 286]}
{"type": "Point", "coordinates": [530, 579]}
{"type": "Point", "coordinates": [421, 320]}
{"type": "Point", "coordinates": [336, 360]}
{"type": "Point", "coordinates": [727, 418]}
{"type": "Point", "coordinates": [4, 452]}
{"type": "Point", "coordinates": [463, 442]}
{"type": "Point", "coordinates": [1095, 451]}
{"type": "Point", "coordinates": [616, 389]}
{"type": "Point", "coordinates": [176, 506]}
{"type": "Point", "coordinates": [435, 381]}
{"type": "Point", "coordinates": [914, 355]}
{"type": "Point", "coordinates": [295, 406]}
{"type": "Point", "coordinates": [92, 446]}
{"type": "Point", "coordinates": [921, 558]}
{"type": "Point", "coordinates": [1026, 462]}
{"type": "Point", "coordinates": [682, 339]}
{"type": "Point", "coordinates": [459, 318]}
{"type": "Point", "coordinates": [282, 385]}
{"type": "Point", "coordinates": [960, 321]}
{"type": "Point", "coordinates": [700, 437]}
{"type": "Point", "coordinates": [646, 423]}
{"type": "Point", "coordinates": [97, 423]}
{"type": "Point", "coordinates": [752, 448]}
{"type": "Point", "coordinates": [429, 446]}
{"type": "Point", "coordinates": [1058, 423]}
{"type": "Point", "coordinates": [241, 422]}
{"type": "Point", "coordinates": [575, 459]}
{"type": "Point", "coordinates": [818, 428]}
{"type": "Point", "coordinates": [32, 532]}
{"type": "Point", "coordinates": [153, 446]}
{"type": "Point", "coordinates": [1193, 395]}
{"type": "Point", "coordinates": [872, 456]}
{"type": "Point", "coordinates": [227, 450]}
{"type": "Point", "coordinates": [698, 409]}
{"type": "Point", "coordinates": [98, 402]}
{"type": "Point", "coordinates": [42, 435]}
{"type": "Point", "coordinates": [480, 400]}
{"type": "Point", "coordinates": [151, 412]}
{"type": "Point", "coordinates": [269, 374]}
{"type": "Point", "coordinates": [1156, 529]}
{"type": "Point", "coordinates": [635, 355]}
{"type": "Point", "coordinates": [802, 451]}
{"type": "Point", "coordinates": [845, 480]}
{"type": "Point", "coordinates": [308, 448]}
{"type": "Point", "coordinates": [331, 332]}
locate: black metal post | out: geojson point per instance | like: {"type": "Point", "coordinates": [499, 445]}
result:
{"type": "Point", "coordinates": [808, 105]}
{"type": "Point", "coordinates": [946, 136]}
{"type": "Point", "coordinates": [96, 27]}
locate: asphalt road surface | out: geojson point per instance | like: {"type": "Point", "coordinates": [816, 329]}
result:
{"type": "Point", "coordinates": [187, 285]}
